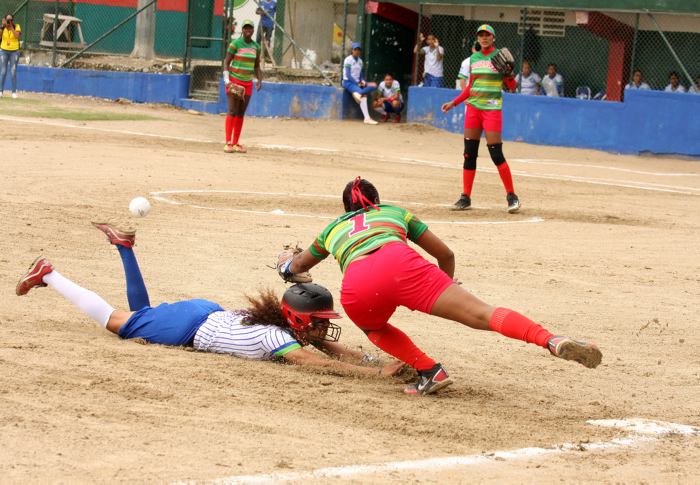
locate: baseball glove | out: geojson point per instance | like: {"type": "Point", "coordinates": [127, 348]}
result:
{"type": "Point", "coordinates": [236, 89]}
{"type": "Point", "coordinates": [503, 61]}
{"type": "Point", "coordinates": [284, 262]}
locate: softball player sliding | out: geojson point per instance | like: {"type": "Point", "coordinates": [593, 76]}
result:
{"type": "Point", "coordinates": [381, 272]}
{"type": "Point", "coordinates": [483, 96]}
{"type": "Point", "coordinates": [269, 329]}
{"type": "Point", "coordinates": [242, 63]}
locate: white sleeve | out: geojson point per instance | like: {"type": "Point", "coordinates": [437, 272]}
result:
{"type": "Point", "coordinates": [442, 51]}
{"type": "Point", "coordinates": [425, 49]}
{"type": "Point", "coordinates": [464, 68]}
{"type": "Point", "coordinates": [278, 342]}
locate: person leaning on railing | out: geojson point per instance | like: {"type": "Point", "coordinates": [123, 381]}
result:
{"type": "Point", "coordinates": [9, 53]}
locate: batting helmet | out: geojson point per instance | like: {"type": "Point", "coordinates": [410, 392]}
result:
{"type": "Point", "coordinates": [304, 301]}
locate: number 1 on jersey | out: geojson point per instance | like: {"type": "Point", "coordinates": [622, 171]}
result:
{"type": "Point", "coordinates": [358, 224]}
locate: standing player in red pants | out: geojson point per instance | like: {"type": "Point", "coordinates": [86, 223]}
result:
{"type": "Point", "coordinates": [381, 272]}
{"type": "Point", "coordinates": [483, 96]}
{"type": "Point", "coordinates": [241, 63]}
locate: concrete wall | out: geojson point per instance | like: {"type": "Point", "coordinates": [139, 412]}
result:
{"type": "Point", "coordinates": [647, 121]}
{"type": "Point", "coordinates": [136, 86]}
{"type": "Point", "coordinates": [312, 22]}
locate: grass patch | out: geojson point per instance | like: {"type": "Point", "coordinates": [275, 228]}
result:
{"type": "Point", "coordinates": [6, 100]}
{"type": "Point", "coordinates": [65, 114]}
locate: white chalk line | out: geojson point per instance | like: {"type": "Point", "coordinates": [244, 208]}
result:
{"type": "Point", "coordinates": [159, 196]}
{"type": "Point", "coordinates": [412, 161]}
{"type": "Point", "coordinates": [641, 430]}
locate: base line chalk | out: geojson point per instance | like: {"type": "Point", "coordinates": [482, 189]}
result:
{"type": "Point", "coordinates": [640, 431]}
{"type": "Point", "coordinates": [161, 196]}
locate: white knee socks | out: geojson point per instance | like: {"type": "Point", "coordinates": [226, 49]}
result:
{"type": "Point", "coordinates": [363, 107]}
{"type": "Point", "coordinates": [90, 303]}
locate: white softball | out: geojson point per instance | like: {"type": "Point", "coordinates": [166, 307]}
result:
{"type": "Point", "coordinates": [139, 206]}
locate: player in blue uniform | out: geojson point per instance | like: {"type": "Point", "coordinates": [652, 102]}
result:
{"type": "Point", "coordinates": [268, 329]}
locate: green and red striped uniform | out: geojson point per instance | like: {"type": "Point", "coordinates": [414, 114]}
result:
{"type": "Point", "coordinates": [242, 67]}
{"type": "Point", "coordinates": [486, 82]}
{"type": "Point", "coordinates": [356, 233]}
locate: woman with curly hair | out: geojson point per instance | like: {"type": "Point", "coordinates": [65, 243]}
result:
{"type": "Point", "coordinates": [382, 272]}
{"type": "Point", "coordinates": [269, 329]}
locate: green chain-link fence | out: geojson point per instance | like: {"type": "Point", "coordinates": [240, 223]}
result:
{"type": "Point", "coordinates": [591, 54]}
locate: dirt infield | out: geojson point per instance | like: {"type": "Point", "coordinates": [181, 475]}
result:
{"type": "Point", "coordinates": [605, 248]}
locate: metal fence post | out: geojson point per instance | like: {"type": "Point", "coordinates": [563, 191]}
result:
{"type": "Point", "coordinates": [55, 29]}
{"type": "Point", "coordinates": [523, 18]}
{"type": "Point", "coordinates": [279, 24]}
{"type": "Point", "coordinates": [188, 33]}
{"type": "Point", "coordinates": [342, 41]}
{"type": "Point", "coordinates": [26, 24]}
{"type": "Point", "coordinates": [634, 47]}
{"type": "Point", "coordinates": [417, 55]}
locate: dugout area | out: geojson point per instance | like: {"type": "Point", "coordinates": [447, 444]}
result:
{"type": "Point", "coordinates": [612, 258]}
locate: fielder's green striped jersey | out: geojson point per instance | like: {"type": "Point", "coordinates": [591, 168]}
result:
{"type": "Point", "coordinates": [486, 82]}
{"type": "Point", "coordinates": [356, 233]}
{"type": "Point", "coordinates": [242, 65]}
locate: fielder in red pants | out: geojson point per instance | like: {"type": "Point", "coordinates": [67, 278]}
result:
{"type": "Point", "coordinates": [483, 114]}
{"type": "Point", "coordinates": [381, 273]}
{"type": "Point", "coordinates": [241, 64]}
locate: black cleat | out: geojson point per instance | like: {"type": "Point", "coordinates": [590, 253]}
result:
{"type": "Point", "coordinates": [513, 203]}
{"type": "Point", "coordinates": [429, 381]}
{"type": "Point", "coordinates": [464, 203]}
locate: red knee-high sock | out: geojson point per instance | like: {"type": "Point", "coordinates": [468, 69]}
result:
{"type": "Point", "coordinates": [514, 325]}
{"type": "Point", "coordinates": [237, 129]}
{"type": "Point", "coordinates": [394, 342]}
{"type": "Point", "coordinates": [468, 181]}
{"type": "Point", "coordinates": [506, 177]}
{"type": "Point", "coordinates": [230, 122]}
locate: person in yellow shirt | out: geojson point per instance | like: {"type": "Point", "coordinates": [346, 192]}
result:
{"type": "Point", "coordinates": [9, 52]}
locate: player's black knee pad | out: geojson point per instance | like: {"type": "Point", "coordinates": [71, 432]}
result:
{"type": "Point", "coordinates": [496, 151]}
{"type": "Point", "coordinates": [471, 151]}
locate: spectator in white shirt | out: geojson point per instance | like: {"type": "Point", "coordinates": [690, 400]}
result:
{"type": "Point", "coordinates": [637, 82]}
{"type": "Point", "coordinates": [695, 89]}
{"type": "Point", "coordinates": [674, 84]}
{"type": "Point", "coordinates": [553, 82]}
{"type": "Point", "coordinates": [528, 82]}
{"type": "Point", "coordinates": [463, 75]}
{"type": "Point", "coordinates": [432, 66]}
{"type": "Point", "coordinates": [389, 99]}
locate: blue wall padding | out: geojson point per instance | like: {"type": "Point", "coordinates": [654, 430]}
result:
{"type": "Point", "coordinates": [647, 121]}
{"type": "Point", "coordinates": [136, 86]}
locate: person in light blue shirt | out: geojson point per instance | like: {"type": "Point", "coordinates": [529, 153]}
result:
{"type": "Point", "coordinates": [529, 82]}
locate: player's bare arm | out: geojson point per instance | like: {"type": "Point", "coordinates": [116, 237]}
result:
{"type": "Point", "coordinates": [303, 261]}
{"type": "Point", "coordinates": [227, 62]}
{"type": "Point", "coordinates": [416, 48]}
{"type": "Point", "coordinates": [306, 357]}
{"type": "Point", "coordinates": [258, 72]}
{"type": "Point", "coordinates": [434, 246]}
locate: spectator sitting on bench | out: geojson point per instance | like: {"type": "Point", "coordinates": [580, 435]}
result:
{"type": "Point", "coordinates": [674, 84]}
{"type": "Point", "coordinates": [637, 82]}
{"type": "Point", "coordinates": [553, 82]}
{"type": "Point", "coordinates": [354, 82]}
